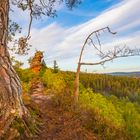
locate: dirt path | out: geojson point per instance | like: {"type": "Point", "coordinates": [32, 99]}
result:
{"type": "Point", "coordinates": [57, 123]}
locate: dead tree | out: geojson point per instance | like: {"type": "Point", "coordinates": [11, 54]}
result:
{"type": "Point", "coordinates": [110, 55]}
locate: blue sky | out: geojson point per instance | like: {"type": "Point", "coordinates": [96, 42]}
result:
{"type": "Point", "coordinates": [62, 37]}
{"type": "Point", "coordinates": [87, 10]}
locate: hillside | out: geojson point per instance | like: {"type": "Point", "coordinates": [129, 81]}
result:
{"type": "Point", "coordinates": [108, 107]}
{"type": "Point", "coordinates": [133, 74]}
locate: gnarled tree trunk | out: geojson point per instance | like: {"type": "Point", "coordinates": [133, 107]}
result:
{"type": "Point", "coordinates": [11, 104]}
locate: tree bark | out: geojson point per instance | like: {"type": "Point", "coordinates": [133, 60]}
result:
{"type": "Point", "coordinates": [11, 105]}
{"type": "Point", "coordinates": [76, 84]}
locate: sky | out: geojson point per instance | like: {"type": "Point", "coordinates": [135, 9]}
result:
{"type": "Point", "coordinates": [62, 37]}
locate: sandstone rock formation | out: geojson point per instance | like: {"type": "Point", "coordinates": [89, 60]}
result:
{"type": "Point", "coordinates": [36, 62]}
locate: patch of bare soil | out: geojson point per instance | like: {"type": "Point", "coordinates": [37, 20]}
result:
{"type": "Point", "coordinates": [59, 124]}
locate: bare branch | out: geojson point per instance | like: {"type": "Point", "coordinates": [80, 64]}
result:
{"type": "Point", "coordinates": [117, 54]}
{"type": "Point", "coordinates": [98, 40]}
{"type": "Point", "coordinates": [89, 38]}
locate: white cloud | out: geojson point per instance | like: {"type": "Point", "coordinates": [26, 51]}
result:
{"type": "Point", "coordinates": [63, 44]}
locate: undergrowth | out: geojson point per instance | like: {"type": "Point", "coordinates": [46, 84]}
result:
{"type": "Point", "coordinates": [110, 117]}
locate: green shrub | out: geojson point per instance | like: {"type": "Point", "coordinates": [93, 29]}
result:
{"type": "Point", "coordinates": [25, 75]}
{"type": "Point", "coordinates": [111, 117]}
{"type": "Point", "coordinates": [53, 81]}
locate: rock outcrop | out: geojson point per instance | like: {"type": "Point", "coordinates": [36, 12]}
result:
{"type": "Point", "coordinates": [36, 65]}
{"type": "Point", "coordinates": [36, 62]}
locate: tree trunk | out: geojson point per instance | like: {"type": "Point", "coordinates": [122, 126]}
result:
{"type": "Point", "coordinates": [76, 85]}
{"type": "Point", "coordinates": [11, 105]}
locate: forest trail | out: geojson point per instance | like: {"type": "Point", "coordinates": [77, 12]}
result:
{"type": "Point", "coordinates": [59, 124]}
